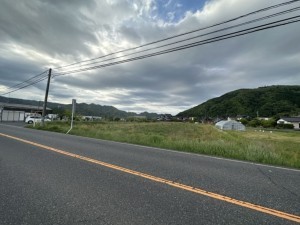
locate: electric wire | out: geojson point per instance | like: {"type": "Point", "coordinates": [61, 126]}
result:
{"type": "Point", "coordinates": [26, 85]}
{"type": "Point", "coordinates": [36, 76]}
{"type": "Point", "coordinates": [194, 44]}
{"type": "Point", "coordinates": [198, 36]}
{"type": "Point", "coordinates": [179, 48]}
{"type": "Point", "coordinates": [186, 33]}
{"type": "Point", "coordinates": [40, 77]}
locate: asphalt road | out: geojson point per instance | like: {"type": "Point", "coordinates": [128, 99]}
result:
{"type": "Point", "coordinates": [41, 186]}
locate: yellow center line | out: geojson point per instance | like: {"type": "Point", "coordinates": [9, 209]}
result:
{"type": "Point", "coordinates": [199, 191]}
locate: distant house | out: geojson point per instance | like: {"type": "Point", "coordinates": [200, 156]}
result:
{"type": "Point", "coordinates": [290, 120]}
{"type": "Point", "coordinates": [264, 118]}
{"type": "Point", "coordinates": [18, 112]}
{"type": "Point", "coordinates": [164, 117]}
{"type": "Point", "coordinates": [230, 125]}
{"type": "Point", "coordinates": [240, 117]}
{"type": "Point", "coordinates": [91, 118]}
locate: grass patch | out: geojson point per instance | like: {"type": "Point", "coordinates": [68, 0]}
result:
{"type": "Point", "coordinates": [275, 148]}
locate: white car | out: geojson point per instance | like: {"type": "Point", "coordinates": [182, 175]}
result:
{"type": "Point", "coordinates": [35, 119]}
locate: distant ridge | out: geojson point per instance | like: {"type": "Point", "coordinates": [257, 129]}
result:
{"type": "Point", "coordinates": [82, 108]}
{"type": "Point", "coordinates": [264, 101]}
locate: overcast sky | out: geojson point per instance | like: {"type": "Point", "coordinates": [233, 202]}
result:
{"type": "Point", "coordinates": [40, 34]}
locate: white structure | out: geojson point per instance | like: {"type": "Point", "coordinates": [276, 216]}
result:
{"type": "Point", "coordinates": [290, 120]}
{"type": "Point", "coordinates": [9, 115]}
{"type": "Point", "coordinates": [91, 118]}
{"type": "Point", "coordinates": [18, 112]}
{"type": "Point", "coordinates": [52, 116]}
{"type": "Point", "coordinates": [230, 125]}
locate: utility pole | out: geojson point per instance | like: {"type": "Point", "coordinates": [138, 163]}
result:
{"type": "Point", "coordinates": [46, 98]}
{"type": "Point", "coordinates": [1, 112]}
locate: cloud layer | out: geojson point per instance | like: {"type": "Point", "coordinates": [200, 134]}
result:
{"type": "Point", "coordinates": [37, 34]}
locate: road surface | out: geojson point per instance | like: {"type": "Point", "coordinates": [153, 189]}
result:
{"type": "Point", "coordinates": [51, 178]}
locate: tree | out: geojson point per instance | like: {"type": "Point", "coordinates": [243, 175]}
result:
{"type": "Point", "coordinates": [255, 123]}
{"type": "Point", "coordinates": [244, 121]}
{"type": "Point", "coordinates": [268, 123]}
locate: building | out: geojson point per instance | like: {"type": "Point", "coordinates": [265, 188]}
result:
{"type": "Point", "coordinates": [18, 112]}
{"type": "Point", "coordinates": [91, 118]}
{"type": "Point", "coordinates": [230, 125]}
{"type": "Point", "coordinates": [290, 120]}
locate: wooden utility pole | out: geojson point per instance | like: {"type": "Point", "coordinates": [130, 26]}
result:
{"type": "Point", "coordinates": [46, 98]}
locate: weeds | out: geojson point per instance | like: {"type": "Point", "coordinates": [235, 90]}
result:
{"type": "Point", "coordinates": [276, 148]}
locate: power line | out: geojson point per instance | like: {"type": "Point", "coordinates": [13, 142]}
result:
{"type": "Point", "coordinates": [198, 36]}
{"type": "Point", "coordinates": [179, 48]}
{"type": "Point", "coordinates": [186, 33]}
{"type": "Point", "coordinates": [41, 77]}
{"type": "Point", "coordinates": [26, 81]}
{"type": "Point", "coordinates": [26, 85]}
{"type": "Point", "coordinates": [194, 44]}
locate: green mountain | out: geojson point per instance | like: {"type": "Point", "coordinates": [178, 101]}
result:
{"type": "Point", "coordinates": [82, 108]}
{"type": "Point", "coordinates": [264, 101]}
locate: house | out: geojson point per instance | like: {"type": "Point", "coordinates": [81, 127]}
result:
{"type": "Point", "coordinates": [240, 117]}
{"type": "Point", "coordinates": [230, 125]}
{"type": "Point", "coordinates": [290, 120]}
{"type": "Point", "coordinates": [264, 118]}
{"type": "Point", "coordinates": [18, 112]}
{"type": "Point", "coordinates": [91, 118]}
{"type": "Point", "coordinates": [164, 117]}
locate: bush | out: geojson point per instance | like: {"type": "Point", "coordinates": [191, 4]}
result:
{"type": "Point", "coordinates": [268, 123]}
{"type": "Point", "coordinates": [254, 123]}
{"type": "Point", "coordinates": [244, 121]}
{"type": "Point", "coordinates": [285, 126]}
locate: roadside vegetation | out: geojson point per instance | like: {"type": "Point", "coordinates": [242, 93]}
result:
{"type": "Point", "coordinates": [270, 123]}
{"type": "Point", "coordinates": [268, 147]}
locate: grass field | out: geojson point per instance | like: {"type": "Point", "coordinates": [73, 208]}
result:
{"type": "Point", "coordinates": [276, 148]}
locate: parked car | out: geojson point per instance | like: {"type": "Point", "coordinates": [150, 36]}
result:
{"type": "Point", "coordinates": [35, 119]}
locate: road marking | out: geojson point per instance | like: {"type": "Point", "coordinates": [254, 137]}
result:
{"type": "Point", "coordinates": [199, 191]}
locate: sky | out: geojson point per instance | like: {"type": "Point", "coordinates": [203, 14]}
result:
{"type": "Point", "coordinates": [40, 34]}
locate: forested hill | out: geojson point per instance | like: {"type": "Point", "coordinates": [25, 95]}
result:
{"type": "Point", "coordinates": [266, 101]}
{"type": "Point", "coordinates": [81, 108]}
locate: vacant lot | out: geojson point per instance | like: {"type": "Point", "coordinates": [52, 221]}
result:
{"type": "Point", "coordinates": [276, 147]}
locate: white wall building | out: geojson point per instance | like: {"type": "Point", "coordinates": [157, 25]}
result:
{"type": "Point", "coordinates": [18, 112]}
{"type": "Point", "coordinates": [290, 120]}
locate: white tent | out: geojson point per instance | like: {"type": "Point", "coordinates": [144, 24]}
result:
{"type": "Point", "coordinates": [230, 125]}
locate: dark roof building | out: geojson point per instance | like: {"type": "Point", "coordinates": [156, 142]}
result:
{"type": "Point", "coordinates": [290, 120]}
{"type": "Point", "coordinates": [18, 112]}
{"type": "Point", "coordinates": [21, 107]}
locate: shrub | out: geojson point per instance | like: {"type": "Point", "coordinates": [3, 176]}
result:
{"type": "Point", "coordinates": [244, 121]}
{"type": "Point", "coordinates": [285, 126]}
{"type": "Point", "coordinates": [254, 123]}
{"type": "Point", "coordinates": [268, 123]}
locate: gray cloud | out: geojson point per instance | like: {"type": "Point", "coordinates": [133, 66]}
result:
{"type": "Point", "coordinates": [38, 34]}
